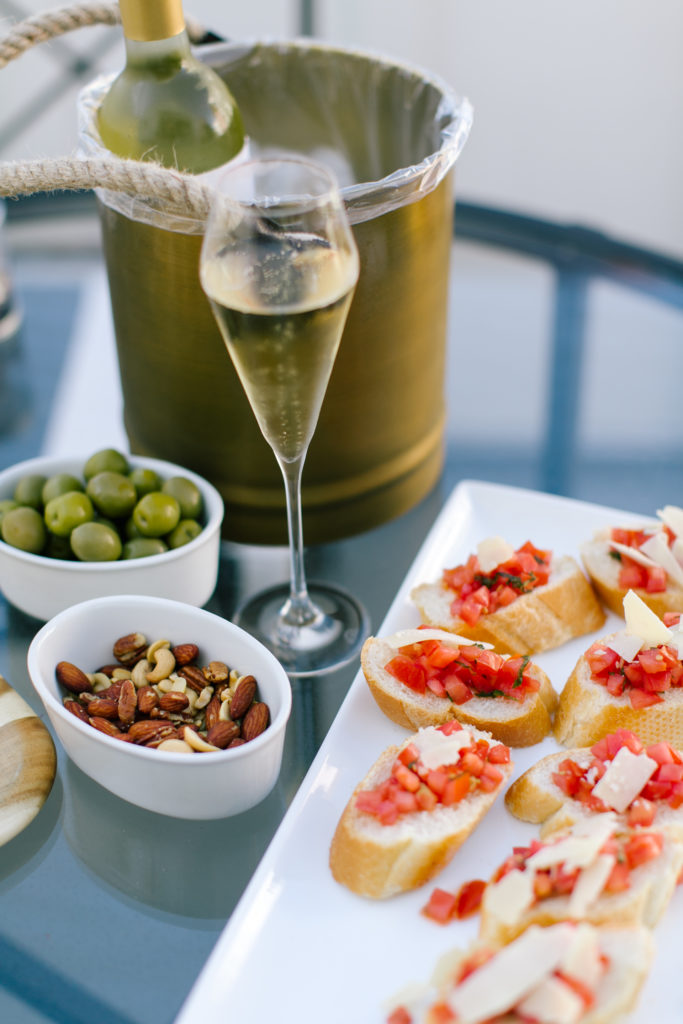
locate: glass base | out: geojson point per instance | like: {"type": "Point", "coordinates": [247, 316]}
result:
{"type": "Point", "coordinates": [331, 639]}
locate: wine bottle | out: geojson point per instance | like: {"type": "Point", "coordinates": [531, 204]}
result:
{"type": "Point", "coordinates": [165, 105]}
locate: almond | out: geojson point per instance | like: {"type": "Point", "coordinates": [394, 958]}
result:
{"type": "Point", "coordinates": [72, 678]}
{"type": "Point", "coordinates": [223, 733]}
{"type": "Point", "coordinates": [112, 692]}
{"type": "Point", "coordinates": [185, 653]}
{"type": "Point", "coordinates": [147, 699]}
{"type": "Point", "coordinates": [103, 708]}
{"type": "Point", "coordinates": [173, 701]}
{"type": "Point", "coordinates": [75, 708]}
{"type": "Point", "coordinates": [212, 713]}
{"type": "Point", "coordinates": [105, 726]}
{"type": "Point", "coordinates": [127, 702]}
{"type": "Point", "coordinates": [237, 742]}
{"type": "Point", "coordinates": [255, 721]}
{"type": "Point", "coordinates": [243, 697]}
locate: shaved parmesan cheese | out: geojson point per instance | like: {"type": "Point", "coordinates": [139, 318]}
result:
{"type": "Point", "coordinates": [575, 850]}
{"type": "Point", "coordinates": [672, 516]}
{"type": "Point", "coordinates": [642, 622]}
{"type": "Point", "coordinates": [513, 973]}
{"type": "Point", "coordinates": [677, 550]}
{"type": "Point", "coordinates": [625, 644]}
{"type": "Point", "coordinates": [657, 547]}
{"type": "Point", "coordinates": [589, 884]}
{"type": "Point", "coordinates": [624, 778]}
{"type": "Point", "coordinates": [552, 1002]}
{"type": "Point", "coordinates": [511, 896]}
{"type": "Point", "coordinates": [635, 554]}
{"type": "Point", "coordinates": [493, 552]}
{"type": "Point", "coordinates": [583, 960]}
{"type": "Point", "coordinates": [417, 636]}
{"type": "Point", "coordinates": [437, 749]}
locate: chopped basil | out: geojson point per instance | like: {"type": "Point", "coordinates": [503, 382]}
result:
{"type": "Point", "coordinates": [518, 678]}
{"type": "Point", "coordinates": [488, 693]}
{"type": "Point", "coordinates": [501, 576]}
{"type": "Point", "coordinates": [615, 554]}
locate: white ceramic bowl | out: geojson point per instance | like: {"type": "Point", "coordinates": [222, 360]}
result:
{"type": "Point", "coordinates": [42, 586]}
{"type": "Point", "coordinates": [202, 785]}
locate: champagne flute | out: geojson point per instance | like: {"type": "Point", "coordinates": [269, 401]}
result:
{"type": "Point", "coordinates": [279, 265]}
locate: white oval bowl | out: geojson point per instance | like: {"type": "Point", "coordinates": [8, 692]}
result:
{"type": "Point", "coordinates": [201, 785]}
{"type": "Point", "coordinates": [42, 586]}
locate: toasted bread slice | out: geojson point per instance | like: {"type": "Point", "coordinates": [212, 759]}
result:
{"type": "Point", "coordinates": [543, 618]}
{"type": "Point", "coordinates": [536, 798]}
{"type": "Point", "coordinates": [517, 723]}
{"type": "Point", "coordinates": [626, 953]}
{"type": "Point", "coordinates": [651, 886]}
{"type": "Point", "coordinates": [587, 711]}
{"type": "Point", "coordinates": [378, 861]}
{"type": "Point", "coordinates": [603, 571]}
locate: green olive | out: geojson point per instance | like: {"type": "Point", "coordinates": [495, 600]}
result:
{"type": "Point", "coordinates": [6, 505]}
{"type": "Point", "coordinates": [67, 511]}
{"type": "Point", "coordinates": [156, 514]}
{"type": "Point", "coordinates": [187, 494]}
{"type": "Point", "coordinates": [143, 547]}
{"type": "Point", "coordinates": [144, 480]}
{"type": "Point", "coordinates": [95, 542]}
{"type": "Point", "coordinates": [112, 494]}
{"type": "Point", "coordinates": [58, 547]}
{"type": "Point", "coordinates": [24, 528]}
{"type": "Point", "coordinates": [106, 460]}
{"type": "Point", "coordinates": [29, 489]}
{"type": "Point", "coordinates": [58, 484]}
{"type": "Point", "coordinates": [129, 529]}
{"type": "Point", "coordinates": [185, 531]}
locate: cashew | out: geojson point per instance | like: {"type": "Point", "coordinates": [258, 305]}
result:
{"type": "Point", "coordinates": [165, 663]}
{"type": "Point", "coordinates": [224, 712]}
{"type": "Point", "coordinates": [204, 697]}
{"type": "Point", "coordinates": [196, 741]}
{"type": "Point", "coordinates": [99, 681]}
{"type": "Point", "coordinates": [158, 645]}
{"type": "Point", "coordinates": [121, 673]}
{"type": "Point", "coordinates": [139, 673]}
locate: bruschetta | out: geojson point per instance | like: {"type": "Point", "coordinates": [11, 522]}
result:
{"type": "Point", "coordinates": [415, 807]}
{"type": "Point", "coordinates": [572, 973]}
{"type": "Point", "coordinates": [648, 559]}
{"type": "Point", "coordinates": [422, 677]}
{"type": "Point", "coordinates": [597, 871]}
{"type": "Point", "coordinates": [632, 679]}
{"type": "Point", "coordinates": [522, 601]}
{"type": "Point", "coordinates": [643, 785]}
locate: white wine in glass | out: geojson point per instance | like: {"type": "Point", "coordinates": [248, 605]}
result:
{"type": "Point", "coordinates": [279, 266]}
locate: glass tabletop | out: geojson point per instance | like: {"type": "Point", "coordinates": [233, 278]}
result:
{"type": "Point", "coordinates": [108, 911]}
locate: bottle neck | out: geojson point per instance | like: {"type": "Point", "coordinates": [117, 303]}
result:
{"type": "Point", "coordinates": [146, 21]}
{"type": "Point", "coordinates": [162, 52]}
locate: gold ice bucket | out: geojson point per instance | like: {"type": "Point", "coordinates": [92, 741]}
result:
{"type": "Point", "coordinates": [392, 134]}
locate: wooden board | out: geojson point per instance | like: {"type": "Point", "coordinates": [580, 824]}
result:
{"type": "Point", "coordinates": [27, 763]}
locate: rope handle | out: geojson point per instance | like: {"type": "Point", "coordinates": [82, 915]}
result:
{"type": "Point", "coordinates": [182, 193]}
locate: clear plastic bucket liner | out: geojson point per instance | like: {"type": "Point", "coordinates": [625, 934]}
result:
{"type": "Point", "coordinates": [392, 134]}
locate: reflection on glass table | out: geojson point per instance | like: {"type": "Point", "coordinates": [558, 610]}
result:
{"type": "Point", "coordinates": [109, 912]}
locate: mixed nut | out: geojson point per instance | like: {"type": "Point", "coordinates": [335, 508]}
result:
{"type": "Point", "coordinates": [158, 695]}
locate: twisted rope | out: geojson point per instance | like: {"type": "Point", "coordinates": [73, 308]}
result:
{"type": "Point", "coordinates": [180, 193]}
{"type": "Point", "coordinates": [42, 27]}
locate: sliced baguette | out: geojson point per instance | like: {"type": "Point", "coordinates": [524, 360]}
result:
{"type": "Point", "coordinates": [651, 887]}
{"type": "Point", "coordinates": [587, 711]}
{"type": "Point", "coordinates": [628, 951]}
{"type": "Point", "coordinates": [379, 861]}
{"type": "Point", "coordinates": [515, 723]}
{"type": "Point", "coordinates": [536, 798]}
{"type": "Point", "coordinates": [563, 608]}
{"type": "Point", "coordinates": [603, 571]}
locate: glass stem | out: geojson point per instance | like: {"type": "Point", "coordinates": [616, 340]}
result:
{"type": "Point", "coordinates": [298, 610]}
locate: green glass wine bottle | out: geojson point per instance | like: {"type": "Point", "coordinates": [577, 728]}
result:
{"type": "Point", "coordinates": [166, 105]}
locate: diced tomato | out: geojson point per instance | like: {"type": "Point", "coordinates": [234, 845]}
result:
{"type": "Point", "coordinates": [456, 790]}
{"type": "Point", "coordinates": [490, 778]}
{"type": "Point", "coordinates": [642, 847]}
{"type": "Point", "coordinates": [641, 813]}
{"type": "Point", "coordinates": [426, 798]}
{"type": "Point", "coordinates": [437, 687]}
{"type": "Point", "coordinates": [449, 727]}
{"type": "Point", "coordinates": [505, 596]}
{"type": "Point", "coordinates": [441, 906]}
{"type": "Point", "coordinates": [623, 738]}
{"type": "Point", "coordinates": [601, 659]}
{"type": "Point", "coordinates": [652, 659]}
{"type": "Point", "coordinates": [405, 801]}
{"type": "Point", "coordinates": [458, 691]}
{"type": "Point", "coordinates": [616, 684]}
{"type": "Point", "coordinates": [369, 800]}
{"type": "Point", "coordinates": [437, 780]}
{"type": "Point", "coordinates": [473, 606]}
{"type": "Point", "coordinates": [472, 763]}
{"type": "Point", "coordinates": [409, 754]}
{"type": "Point", "coordinates": [499, 754]}
{"type": "Point", "coordinates": [631, 575]}
{"type": "Point", "coordinates": [408, 779]}
{"type": "Point", "coordinates": [400, 1016]}
{"type": "Point", "coordinates": [441, 1013]}
{"type": "Point", "coordinates": [407, 671]}
{"type": "Point", "coordinates": [469, 897]}
{"type": "Point", "coordinates": [388, 812]}
{"type": "Point", "coordinates": [442, 655]}
{"type": "Point", "coordinates": [661, 753]}
{"type": "Point", "coordinates": [619, 878]}
{"type": "Point", "coordinates": [669, 773]}
{"type": "Point", "coordinates": [635, 673]}
{"type": "Point", "coordinates": [641, 699]}
{"type": "Point", "coordinates": [671, 618]}
{"type": "Point", "coordinates": [656, 580]}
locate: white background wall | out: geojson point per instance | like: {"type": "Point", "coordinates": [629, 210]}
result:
{"type": "Point", "coordinates": [578, 106]}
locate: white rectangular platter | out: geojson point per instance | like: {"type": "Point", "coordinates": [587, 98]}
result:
{"type": "Point", "coordinates": [299, 947]}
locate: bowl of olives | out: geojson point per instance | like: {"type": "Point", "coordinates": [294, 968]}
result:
{"type": "Point", "coordinates": [72, 529]}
